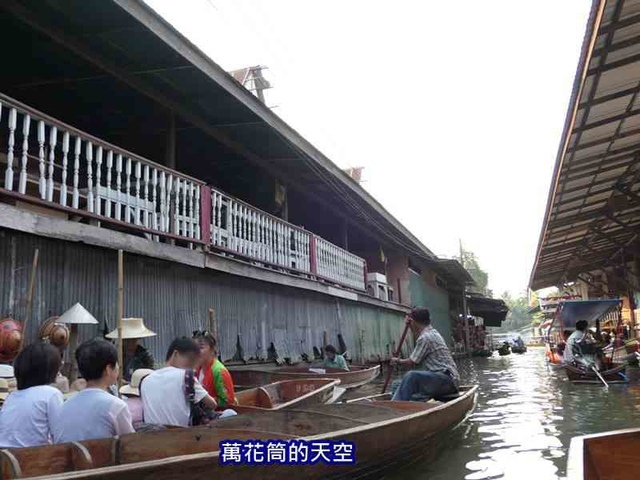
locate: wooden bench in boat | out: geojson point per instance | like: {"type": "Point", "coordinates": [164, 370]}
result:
{"type": "Point", "coordinates": [52, 459]}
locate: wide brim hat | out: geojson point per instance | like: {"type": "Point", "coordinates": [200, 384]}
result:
{"type": "Point", "coordinates": [54, 332]}
{"type": "Point", "coordinates": [4, 389]}
{"type": "Point", "coordinates": [133, 388]}
{"type": "Point", "coordinates": [132, 328]}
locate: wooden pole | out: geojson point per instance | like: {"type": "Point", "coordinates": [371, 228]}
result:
{"type": "Point", "coordinates": [397, 353]}
{"type": "Point", "coordinates": [32, 281]}
{"type": "Point", "coordinates": [120, 311]}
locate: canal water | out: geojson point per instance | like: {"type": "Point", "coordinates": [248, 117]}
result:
{"type": "Point", "coordinates": [524, 421]}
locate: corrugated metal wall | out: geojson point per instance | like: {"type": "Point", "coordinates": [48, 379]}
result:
{"type": "Point", "coordinates": [436, 300]}
{"type": "Point", "coordinates": [174, 300]}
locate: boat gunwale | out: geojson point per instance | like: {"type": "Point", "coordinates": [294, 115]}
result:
{"type": "Point", "coordinates": [210, 456]}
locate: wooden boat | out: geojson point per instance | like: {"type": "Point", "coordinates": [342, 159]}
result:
{"type": "Point", "coordinates": [610, 455]}
{"type": "Point", "coordinates": [357, 376]}
{"type": "Point", "coordinates": [520, 350]}
{"type": "Point", "coordinates": [287, 394]}
{"type": "Point", "coordinates": [384, 433]}
{"type": "Point", "coordinates": [613, 375]}
{"type": "Point", "coordinates": [482, 353]}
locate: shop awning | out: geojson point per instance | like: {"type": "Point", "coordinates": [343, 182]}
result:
{"type": "Point", "coordinates": [492, 311]}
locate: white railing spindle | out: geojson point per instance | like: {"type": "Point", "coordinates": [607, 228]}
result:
{"type": "Point", "coordinates": [42, 183]}
{"type": "Point", "coordinates": [53, 142]}
{"type": "Point", "coordinates": [22, 181]}
{"type": "Point", "coordinates": [65, 166]}
{"type": "Point", "coordinates": [8, 180]}
{"type": "Point", "coordinates": [98, 203]}
{"type": "Point", "coordinates": [75, 199]}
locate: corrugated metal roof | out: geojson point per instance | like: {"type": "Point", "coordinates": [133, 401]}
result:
{"type": "Point", "coordinates": [592, 212]}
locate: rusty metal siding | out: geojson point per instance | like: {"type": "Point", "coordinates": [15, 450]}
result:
{"type": "Point", "coordinates": [174, 300]}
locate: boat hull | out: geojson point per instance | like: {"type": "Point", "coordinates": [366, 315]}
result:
{"type": "Point", "coordinates": [614, 375]}
{"type": "Point", "coordinates": [605, 455]}
{"type": "Point", "coordinates": [384, 433]}
{"type": "Point", "coordinates": [287, 394]}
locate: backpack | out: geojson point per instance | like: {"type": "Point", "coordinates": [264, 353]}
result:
{"type": "Point", "coordinates": [199, 415]}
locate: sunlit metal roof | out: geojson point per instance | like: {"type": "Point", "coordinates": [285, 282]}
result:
{"type": "Point", "coordinates": [592, 217]}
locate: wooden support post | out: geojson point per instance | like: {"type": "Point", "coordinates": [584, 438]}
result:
{"type": "Point", "coordinates": [73, 345]}
{"type": "Point", "coordinates": [32, 280]}
{"type": "Point", "coordinates": [119, 314]}
{"type": "Point", "coordinates": [213, 323]}
{"type": "Point", "coordinates": [467, 338]}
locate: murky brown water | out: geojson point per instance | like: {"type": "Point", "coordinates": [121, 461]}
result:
{"type": "Point", "coordinates": [524, 421]}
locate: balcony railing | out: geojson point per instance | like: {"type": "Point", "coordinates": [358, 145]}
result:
{"type": "Point", "coordinates": [56, 165]}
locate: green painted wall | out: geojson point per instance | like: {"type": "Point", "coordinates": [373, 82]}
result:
{"type": "Point", "coordinates": [436, 300]}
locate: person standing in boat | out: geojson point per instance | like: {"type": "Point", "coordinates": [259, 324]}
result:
{"type": "Point", "coordinates": [332, 359]}
{"type": "Point", "coordinates": [436, 374]}
{"type": "Point", "coordinates": [211, 373]}
{"type": "Point", "coordinates": [27, 414]}
{"type": "Point", "coordinates": [135, 355]}
{"type": "Point", "coordinates": [93, 412]}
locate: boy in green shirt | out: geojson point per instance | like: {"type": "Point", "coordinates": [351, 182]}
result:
{"type": "Point", "coordinates": [332, 359]}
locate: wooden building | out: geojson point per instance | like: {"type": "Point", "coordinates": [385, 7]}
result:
{"type": "Point", "coordinates": [116, 133]}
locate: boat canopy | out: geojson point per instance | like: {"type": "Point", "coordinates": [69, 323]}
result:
{"type": "Point", "coordinates": [573, 311]}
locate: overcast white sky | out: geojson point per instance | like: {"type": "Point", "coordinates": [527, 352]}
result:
{"type": "Point", "coordinates": [455, 109]}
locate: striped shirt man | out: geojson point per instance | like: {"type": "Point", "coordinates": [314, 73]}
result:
{"type": "Point", "coordinates": [431, 353]}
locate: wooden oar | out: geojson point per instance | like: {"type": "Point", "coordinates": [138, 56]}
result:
{"type": "Point", "coordinates": [595, 370]}
{"type": "Point", "coordinates": [396, 353]}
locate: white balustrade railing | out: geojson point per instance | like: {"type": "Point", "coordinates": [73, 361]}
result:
{"type": "Point", "coordinates": [243, 229]}
{"type": "Point", "coordinates": [339, 265]}
{"type": "Point", "coordinates": [240, 228]}
{"type": "Point", "coordinates": [62, 165]}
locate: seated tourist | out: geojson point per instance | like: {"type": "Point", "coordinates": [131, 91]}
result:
{"type": "Point", "coordinates": [131, 395]}
{"type": "Point", "coordinates": [27, 414]}
{"type": "Point", "coordinates": [211, 373]}
{"type": "Point", "coordinates": [93, 412]}
{"type": "Point", "coordinates": [436, 374]}
{"type": "Point", "coordinates": [578, 344]}
{"type": "Point", "coordinates": [164, 392]}
{"type": "Point", "coordinates": [332, 359]}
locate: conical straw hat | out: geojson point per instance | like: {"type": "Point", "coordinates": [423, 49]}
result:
{"type": "Point", "coordinates": [77, 314]}
{"type": "Point", "coordinates": [132, 328]}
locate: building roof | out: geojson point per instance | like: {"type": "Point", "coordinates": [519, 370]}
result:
{"type": "Point", "coordinates": [592, 212]}
{"type": "Point", "coordinates": [454, 273]}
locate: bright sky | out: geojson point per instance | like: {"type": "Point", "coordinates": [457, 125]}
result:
{"type": "Point", "coordinates": [455, 109]}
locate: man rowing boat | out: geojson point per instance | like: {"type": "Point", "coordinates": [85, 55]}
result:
{"type": "Point", "coordinates": [436, 374]}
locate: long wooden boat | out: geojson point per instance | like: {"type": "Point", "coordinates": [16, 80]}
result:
{"type": "Point", "coordinates": [249, 377]}
{"type": "Point", "coordinates": [608, 455]}
{"type": "Point", "coordinates": [287, 394]}
{"type": "Point", "coordinates": [613, 375]}
{"type": "Point", "coordinates": [385, 434]}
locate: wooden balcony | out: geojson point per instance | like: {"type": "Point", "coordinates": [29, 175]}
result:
{"type": "Point", "coordinates": [46, 162]}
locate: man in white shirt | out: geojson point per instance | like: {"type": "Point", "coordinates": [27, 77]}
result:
{"type": "Point", "coordinates": [94, 413]}
{"type": "Point", "coordinates": [163, 392]}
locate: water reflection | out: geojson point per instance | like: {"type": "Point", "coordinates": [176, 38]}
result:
{"type": "Point", "coordinates": [524, 421]}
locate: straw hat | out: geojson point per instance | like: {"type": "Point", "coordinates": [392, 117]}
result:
{"type": "Point", "coordinates": [77, 315]}
{"type": "Point", "coordinates": [54, 332]}
{"type": "Point", "coordinates": [132, 328]}
{"type": "Point", "coordinates": [4, 389]}
{"type": "Point", "coordinates": [136, 379]}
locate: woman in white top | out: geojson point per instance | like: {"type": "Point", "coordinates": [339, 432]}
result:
{"type": "Point", "coordinates": [27, 414]}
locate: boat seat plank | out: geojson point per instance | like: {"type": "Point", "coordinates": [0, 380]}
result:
{"type": "Point", "coordinates": [291, 422]}
{"type": "Point", "coordinates": [363, 413]}
{"type": "Point", "coordinates": [52, 459]}
{"type": "Point", "coordinates": [264, 399]}
{"type": "Point", "coordinates": [102, 451]}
